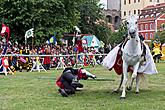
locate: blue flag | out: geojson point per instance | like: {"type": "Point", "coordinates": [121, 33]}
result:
{"type": "Point", "coordinates": [52, 40]}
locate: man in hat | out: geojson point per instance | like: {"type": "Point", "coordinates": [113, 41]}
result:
{"type": "Point", "coordinates": [69, 80]}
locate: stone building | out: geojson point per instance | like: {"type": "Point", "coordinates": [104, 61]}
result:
{"type": "Point", "coordinates": [134, 7]}
{"type": "Point", "coordinates": [112, 13]}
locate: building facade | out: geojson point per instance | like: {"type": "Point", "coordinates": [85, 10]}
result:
{"type": "Point", "coordinates": [134, 7]}
{"type": "Point", "coordinates": [151, 20]}
{"type": "Point", "coordinates": [113, 4]}
{"type": "Point", "coordinates": [113, 13]}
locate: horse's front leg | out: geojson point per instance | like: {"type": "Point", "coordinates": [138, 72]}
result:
{"type": "Point", "coordinates": [131, 84]}
{"type": "Point", "coordinates": [125, 67]}
{"type": "Point", "coordinates": [135, 68]}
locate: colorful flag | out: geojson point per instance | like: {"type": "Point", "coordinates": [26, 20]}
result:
{"type": "Point", "coordinates": [52, 40]}
{"type": "Point", "coordinates": [29, 33]}
{"type": "Point", "coordinates": [5, 29]}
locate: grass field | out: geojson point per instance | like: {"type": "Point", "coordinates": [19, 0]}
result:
{"type": "Point", "coordinates": [37, 91]}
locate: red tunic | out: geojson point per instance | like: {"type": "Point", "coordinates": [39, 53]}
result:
{"type": "Point", "coordinates": [46, 60]}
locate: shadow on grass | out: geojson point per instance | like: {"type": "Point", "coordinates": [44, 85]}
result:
{"type": "Point", "coordinates": [104, 94]}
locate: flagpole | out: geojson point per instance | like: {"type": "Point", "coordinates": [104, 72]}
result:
{"type": "Point", "coordinates": [25, 40]}
{"type": "Point", "coordinates": [33, 35]}
{"type": "Point", "coordinates": [32, 42]}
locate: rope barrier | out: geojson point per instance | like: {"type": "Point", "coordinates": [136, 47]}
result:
{"type": "Point", "coordinates": [18, 55]}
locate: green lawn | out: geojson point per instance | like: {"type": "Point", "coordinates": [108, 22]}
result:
{"type": "Point", "coordinates": [37, 91]}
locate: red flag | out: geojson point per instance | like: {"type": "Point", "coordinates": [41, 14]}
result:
{"type": "Point", "coordinates": [5, 29]}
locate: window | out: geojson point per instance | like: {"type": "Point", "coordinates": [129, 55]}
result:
{"type": "Point", "coordinates": [151, 26]}
{"type": "Point", "coordinates": [157, 1]}
{"type": "Point", "coordinates": [138, 0]}
{"type": "Point", "coordinates": [124, 13]}
{"type": "Point", "coordinates": [134, 12]}
{"type": "Point", "coordinates": [134, 1]}
{"type": "Point", "coordinates": [129, 12]}
{"type": "Point", "coordinates": [151, 36]}
{"type": "Point", "coordinates": [124, 2]}
{"type": "Point", "coordinates": [150, 0]}
{"type": "Point", "coordinates": [146, 27]}
{"type": "Point", "coordinates": [141, 27]}
{"type": "Point", "coordinates": [129, 1]}
{"type": "Point", "coordinates": [146, 35]}
{"type": "Point", "coordinates": [138, 12]}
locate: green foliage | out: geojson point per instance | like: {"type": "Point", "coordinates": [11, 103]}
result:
{"type": "Point", "coordinates": [89, 13]}
{"type": "Point", "coordinates": [162, 36]}
{"type": "Point", "coordinates": [118, 36]}
{"type": "Point", "coordinates": [49, 16]}
{"type": "Point", "coordinates": [46, 16]}
{"type": "Point", "coordinates": [103, 32]}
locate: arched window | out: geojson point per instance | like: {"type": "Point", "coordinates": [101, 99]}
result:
{"type": "Point", "coordinates": [124, 13]}
{"type": "Point", "coordinates": [134, 12]}
{"type": "Point", "coordinates": [109, 18]}
{"type": "Point", "coordinates": [138, 12]}
{"type": "Point", "coordinates": [116, 19]}
{"type": "Point", "coordinates": [124, 2]}
{"type": "Point", "coordinates": [151, 26]}
{"type": "Point", "coordinates": [141, 28]}
{"type": "Point", "coordinates": [151, 36]}
{"type": "Point", "coordinates": [146, 27]}
{"type": "Point", "coordinates": [146, 36]}
{"type": "Point", "coordinates": [129, 1]}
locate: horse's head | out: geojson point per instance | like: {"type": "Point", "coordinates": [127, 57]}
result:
{"type": "Point", "coordinates": [132, 26]}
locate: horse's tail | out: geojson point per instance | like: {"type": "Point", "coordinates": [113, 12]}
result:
{"type": "Point", "coordinates": [143, 80]}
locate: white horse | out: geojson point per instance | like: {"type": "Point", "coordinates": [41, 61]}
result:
{"type": "Point", "coordinates": [132, 53]}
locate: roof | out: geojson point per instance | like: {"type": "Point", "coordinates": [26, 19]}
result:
{"type": "Point", "coordinates": [154, 6]}
{"type": "Point", "coordinates": [151, 12]}
{"type": "Point", "coordinates": [151, 18]}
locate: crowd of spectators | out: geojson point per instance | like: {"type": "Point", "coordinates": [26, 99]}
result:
{"type": "Point", "coordinates": [48, 50]}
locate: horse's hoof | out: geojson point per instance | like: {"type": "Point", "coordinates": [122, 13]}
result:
{"type": "Point", "coordinates": [129, 88]}
{"type": "Point", "coordinates": [136, 92]}
{"type": "Point", "coordinates": [122, 98]}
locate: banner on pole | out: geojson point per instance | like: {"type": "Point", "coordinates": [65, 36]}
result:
{"type": "Point", "coordinates": [29, 33]}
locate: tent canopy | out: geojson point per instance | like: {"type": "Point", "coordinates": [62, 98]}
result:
{"type": "Point", "coordinates": [90, 41]}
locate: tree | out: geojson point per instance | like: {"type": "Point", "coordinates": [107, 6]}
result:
{"type": "Point", "coordinates": [118, 36]}
{"type": "Point", "coordinates": [162, 36]}
{"type": "Point", "coordinates": [46, 16]}
{"type": "Point", "coordinates": [103, 32]}
{"type": "Point", "coordinates": [90, 11]}
{"type": "Point", "coordinates": [92, 21]}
